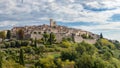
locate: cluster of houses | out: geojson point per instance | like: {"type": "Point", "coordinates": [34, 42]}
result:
{"type": "Point", "coordinates": [59, 31]}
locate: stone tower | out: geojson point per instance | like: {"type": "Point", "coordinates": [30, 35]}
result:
{"type": "Point", "coordinates": [52, 23]}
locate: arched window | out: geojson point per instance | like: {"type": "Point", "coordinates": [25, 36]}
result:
{"type": "Point", "coordinates": [35, 32]}
{"type": "Point", "coordinates": [39, 32]}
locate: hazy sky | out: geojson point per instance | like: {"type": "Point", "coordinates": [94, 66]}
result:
{"type": "Point", "coordinates": [98, 16]}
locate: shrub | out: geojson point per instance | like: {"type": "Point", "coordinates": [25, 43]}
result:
{"type": "Point", "coordinates": [7, 44]}
{"type": "Point", "coordinates": [24, 43]}
{"type": "Point", "coordinates": [65, 44]}
{"type": "Point", "coordinates": [12, 43]}
{"type": "Point", "coordinates": [68, 55]}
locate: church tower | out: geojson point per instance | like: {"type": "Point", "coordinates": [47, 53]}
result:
{"type": "Point", "coordinates": [52, 23]}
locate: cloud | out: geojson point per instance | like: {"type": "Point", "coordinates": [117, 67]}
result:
{"type": "Point", "coordinates": [30, 12]}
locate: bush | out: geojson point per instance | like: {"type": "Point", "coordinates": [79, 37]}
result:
{"type": "Point", "coordinates": [57, 49]}
{"type": "Point", "coordinates": [7, 44]}
{"type": "Point", "coordinates": [50, 49]}
{"type": "Point", "coordinates": [17, 43]}
{"type": "Point", "coordinates": [24, 43]}
{"type": "Point", "coordinates": [65, 44]}
{"type": "Point", "coordinates": [68, 55]}
{"type": "Point", "coordinates": [12, 43]}
{"type": "Point", "coordinates": [47, 62]}
{"type": "Point", "coordinates": [29, 50]}
{"type": "Point", "coordinates": [105, 42]}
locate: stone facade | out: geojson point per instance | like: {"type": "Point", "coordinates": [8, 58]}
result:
{"type": "Point", "coordinates": [52, 23]}
{"type": "Point", "coordinates": [59, 31]}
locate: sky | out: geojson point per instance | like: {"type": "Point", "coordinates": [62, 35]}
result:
{"type": "Point", "coordinates": [97, 16]}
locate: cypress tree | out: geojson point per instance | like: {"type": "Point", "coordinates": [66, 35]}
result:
{"type": "Point", "coordinates": [0, 60]}
{"type": "Point", "coordinates": [35, 42]}
{"type": "Point", "coordinates": [8, 36]}
{"type": "Point", "coordinates": [52, 38]}
{"type": "Point", "coordinates": [101, 36]}
{"type": "Point", "coordinates": [21, 58]}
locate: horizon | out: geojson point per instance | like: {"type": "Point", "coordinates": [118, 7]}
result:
{"type": "Point", "coordinates": [90, 15]}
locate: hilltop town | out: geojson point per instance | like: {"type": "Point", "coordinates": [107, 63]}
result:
{"type": "Point", "coordinates": [60, 32]}
{"type": "Point", "coordinates": [55, 46]}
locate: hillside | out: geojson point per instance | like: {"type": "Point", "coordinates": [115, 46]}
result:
{"type": "Point", "coordinates": [54, 46]}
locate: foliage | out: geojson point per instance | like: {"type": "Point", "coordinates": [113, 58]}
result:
{"type": "Point", "coordinates": [105, 42]}
{"type": "Point", "coordinates": [86, 36]}
{"type": "Point", "coordinates": [85, 61]}
{"type": "Point", "coordinates": [2, 34]}
{"type": "Point", "coordinates": [8, 35]}
{"type": "Point", "coordinates": [12, 44]}
{"type": "Point", "coordinates": [101, 36]}
{"type": "Point", "coordinates": [1, 60]}
{"type": "Point", "coordinates": [18, 43]}
{"type": "Point", "coordinates": [47, 62]}
{"type": "Point", "coordinates": [45, 38]}
{"type": "Point", "coordinates": [69, 55]}
{"type": "Point", "coordinates": [21, 57]}
{"type": "Point", "coordinates": [11, 64]}
{"type": "Point", "coordinates": [65, 44]}
{"type": "Point", "coordinates": [52, 38]}
{"type": "Point", "coordinates": [24, 43]}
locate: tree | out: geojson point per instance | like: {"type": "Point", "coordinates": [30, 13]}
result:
{"type": "Point", "coordinates": [52, 38]}
{"type": "Point", "coordinates": [65, 44]}
{"type": "Point", "coordinates": [21, 57]}
{"type": "Point", "coordinates": [68, 55]}
{"type": "Point", "coordinates": [17, 43]}
{"type": "Point", "coordinates": [1, 60]}
{"type": "Point", "coordinates": [80, 49]}
{"type": "Point", "coordinates": [8, 35]}
{"type": "Point", "coordinates": [101, 36]}
{"type": "Point", "coordinates": [85, 61]}
{"type": "Point", "coordinates": [20, 34]}
{"type": "Point", "coordinates": [2, 34]}
{"type": "Point", "coordinates": [46, 62]}
{"type": "Point", "coordinates": [35, 42]}
{"type": "Point", "coordinates": [45, 37]}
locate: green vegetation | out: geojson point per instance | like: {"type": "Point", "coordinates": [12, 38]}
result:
{"type": "Point", "coordinates": [46, 53]}
{"type": "Point", "coordinates": [85, 36]}
{"type": "Point", "coordinates": [21, 58]}
{"type": "Point", "coordinates": [2, 34]}
{"type": "Point", "coordinates": [8, 35]}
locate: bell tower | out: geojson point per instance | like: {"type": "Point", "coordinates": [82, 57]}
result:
{"type": "Point", "coordinates": [52, 23]}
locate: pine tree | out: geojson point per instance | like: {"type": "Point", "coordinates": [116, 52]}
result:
{"type": "Point", "coordinates": [8, 36]}
{"type": "Point", "coordinates": [21, 58]}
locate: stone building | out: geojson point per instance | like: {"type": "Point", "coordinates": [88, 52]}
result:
{"type": "Point", "coordinates": [52, 23]}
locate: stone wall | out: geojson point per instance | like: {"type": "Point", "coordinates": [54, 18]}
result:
{"type": "Point", "coordinates": [36, 34]}
{"type": "Point", "coordinates": [78, 39]}
{"type": "Point", "coordinates": [90, 41]}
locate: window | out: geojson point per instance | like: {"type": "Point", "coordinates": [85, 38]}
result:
{"type": "Point", "coordinates": [35, 32]}
{"type": "Point", "coordinates": [39, 32]}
